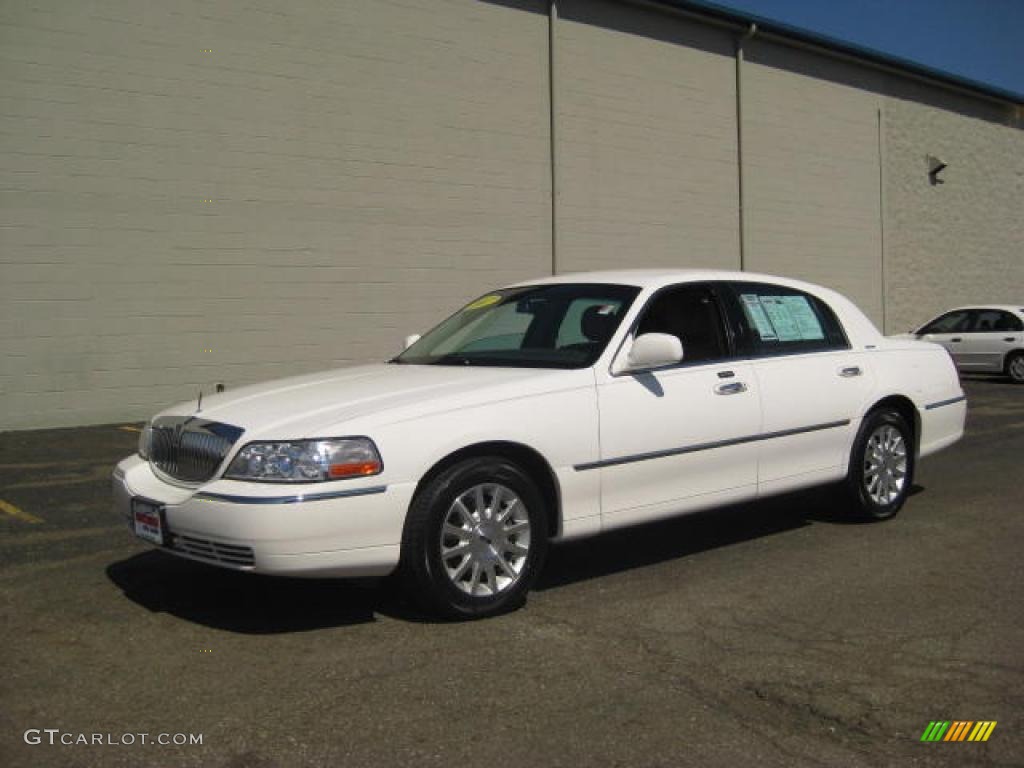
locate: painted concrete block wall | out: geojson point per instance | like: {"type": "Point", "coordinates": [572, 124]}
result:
{"type": "Point", "coordinates": [209, 192]}
{"type": "Point", "coordinates": [812, 171]}
{"type": "Point", "coordinates": [645, 151]}
{"type": "Point", "coordinates": [198, 192]}
{"type": "Point", "coordinates": [961, 241]}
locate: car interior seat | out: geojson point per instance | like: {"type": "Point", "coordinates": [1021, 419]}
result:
{"type": "Point", "coordinates": [598, 323]}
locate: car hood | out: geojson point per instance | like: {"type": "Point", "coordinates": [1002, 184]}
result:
{"type": "Point", "coordinates": [314, 404]}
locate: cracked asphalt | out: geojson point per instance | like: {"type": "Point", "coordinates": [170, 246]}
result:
{"type": "Point", "coordinates": [768, 634]}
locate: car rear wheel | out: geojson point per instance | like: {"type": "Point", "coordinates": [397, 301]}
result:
{"type": "Point", "coordinates": [881, 465]}
{"type": "Point", "coordinates": [1015, 367]}
{"type": "Point", "coordinates": [475, 539]}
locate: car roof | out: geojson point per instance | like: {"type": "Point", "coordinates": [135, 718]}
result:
{"type": "Point", "coordinates": [859, 329]}
{"type": "Point", "coordinates": [657, 278]}
{"type": "Point", "coordinates": [1018, 308]}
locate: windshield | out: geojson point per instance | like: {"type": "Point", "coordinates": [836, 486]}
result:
{"type": "Point", "coordinates": [562, 325]}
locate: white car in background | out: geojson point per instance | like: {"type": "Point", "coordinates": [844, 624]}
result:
{"type": "Point", "coordinates": [551, 409]}
{"type": "Point", "coordinates": [982, 338]}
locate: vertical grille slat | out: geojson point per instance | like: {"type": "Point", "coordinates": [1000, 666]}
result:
{"type": "Point", "coordinates": [191, 449]}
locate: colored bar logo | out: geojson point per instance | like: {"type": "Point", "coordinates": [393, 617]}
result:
{"type": "Point", "coordinates": [958, 730]}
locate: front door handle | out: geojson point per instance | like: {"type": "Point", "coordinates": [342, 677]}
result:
{"type": "Point", "coordinates": [1010, 339]}
{"type": "Point", "coordinates": [956, 339]}
{"type": "Point", "coordinates": [849, 371]}
{"type": "Point", "coordinates": [732, 388]}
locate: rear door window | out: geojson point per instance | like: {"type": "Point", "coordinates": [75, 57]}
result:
{"type": "Point", "coordinates": [776, 320]}
{"type": "Point", "coordinates": [995, 320]}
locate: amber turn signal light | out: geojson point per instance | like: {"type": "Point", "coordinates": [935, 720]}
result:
{"type": "Point", "coordinates": [354, 470]}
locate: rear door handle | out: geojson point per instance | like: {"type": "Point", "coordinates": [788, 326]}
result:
{"type": "Point", "coordinates": [853, 370]}
{"type": "Point", "coordinates": [1010, 339]}
{"type": "Point", "coordinates": [956, 339]}
{"type": "Point", "coordinates": [732, 388]}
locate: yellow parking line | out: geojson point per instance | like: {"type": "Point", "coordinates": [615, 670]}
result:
{"type": "Point", "coordinates": [129, 428]}
{"type": "Point", "coordinates": [18, 514]}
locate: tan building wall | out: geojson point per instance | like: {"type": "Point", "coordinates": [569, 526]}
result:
{"type": "Point", "coordinates": [326, 179]}
{"type": "Point", "coordinates": [961, 241]}
{"type": "Point", "coordinates": [811, 155]}
{"type": "Point", "coordinates": [202, 192]}
{"type": "Point", "coordinates": [645, 152]}
{"type": "Point", "coordinates": [837, 189]}
{"type": "Point", "coordinates": [835, 182]}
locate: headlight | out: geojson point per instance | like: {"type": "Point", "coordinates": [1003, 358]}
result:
{"type": "Point", "coordinates": [306, 461]}
{"type": "Point", "coordinates": [145, 436]}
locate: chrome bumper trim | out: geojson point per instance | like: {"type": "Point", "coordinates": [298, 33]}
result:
{"type": "Point", "coordinates": [294, 499]}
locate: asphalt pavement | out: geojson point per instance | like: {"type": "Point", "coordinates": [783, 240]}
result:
{"type": "Point", "coordinates": [777, 633]}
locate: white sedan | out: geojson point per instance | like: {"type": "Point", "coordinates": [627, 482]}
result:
{"type": "Point", "coordinates": [984, 338]}
{"type": "Point", "coordinates": [551, 409]}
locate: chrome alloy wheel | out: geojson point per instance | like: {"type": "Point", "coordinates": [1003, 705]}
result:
{"type": "Point", "coordinates": [1017, 368]}
{"type": "Point", "coordinates": [485, 539]}
{"type": "Point", "coordinates": [885, 465]}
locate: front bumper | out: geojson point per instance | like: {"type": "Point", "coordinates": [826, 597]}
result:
{"type": "Point", "coordinates": [346, 528]}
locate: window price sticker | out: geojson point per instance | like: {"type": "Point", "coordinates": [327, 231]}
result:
{"type": "Point", "coordinates": [756, 315]}
{"type": "Point", "coordinates": [782, 318]}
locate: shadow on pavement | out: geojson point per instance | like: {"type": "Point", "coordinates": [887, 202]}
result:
{"type": "Point", "coordinates": [240, 602]}
{"type": "Point", "coordinates": [653, 543]}
{"type": "Point", "coordinates": [644, 545]}
{"type": "Point", "coordinates": [254, 604]}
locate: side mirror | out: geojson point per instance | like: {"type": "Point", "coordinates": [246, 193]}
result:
{"type": "Point", "coordinates": [410, 340]}
{"type": "Point", "coordinates": [649, 351]}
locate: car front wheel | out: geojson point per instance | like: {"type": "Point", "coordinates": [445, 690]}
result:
{"type": "Point", "coordinates": [881, 465]}
{"type": "Point", "coordinates": [475, 539]}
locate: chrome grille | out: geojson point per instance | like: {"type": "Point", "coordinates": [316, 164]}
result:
{"type": "Point", "coordinates": [190, 449]}
{"type": "Point", "coordinates": [214, 551]}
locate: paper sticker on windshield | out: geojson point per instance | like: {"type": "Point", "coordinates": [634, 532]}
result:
{"type": "Point", "coordinates": [485, 301]}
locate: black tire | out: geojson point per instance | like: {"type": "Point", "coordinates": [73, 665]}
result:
{"type": "Point", "coordinates": [428, 577]}
{"type": "Point", "coordinates": [876, 505]}
{"type": "Point", "coordinates": [1015, 367]}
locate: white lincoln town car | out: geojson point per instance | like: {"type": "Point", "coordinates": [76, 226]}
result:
{"type": "Point", "coordinates": [551, 409]}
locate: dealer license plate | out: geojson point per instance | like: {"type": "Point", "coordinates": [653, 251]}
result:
{"type": "Point", "coordinates": [147, 519]}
